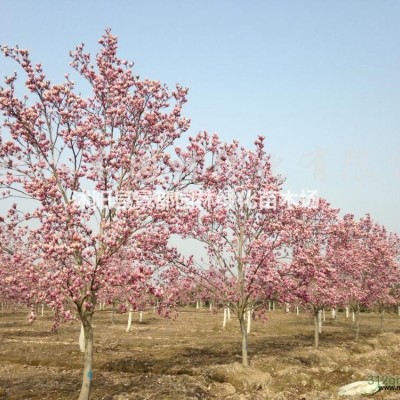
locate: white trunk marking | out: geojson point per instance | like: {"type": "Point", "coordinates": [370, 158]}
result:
{"type": "Point", "coordinates": [248, 321]}
{"type": "Point", "coordinates": [128, 328]}
{"type": "Point", "coordinates": [82, 340]}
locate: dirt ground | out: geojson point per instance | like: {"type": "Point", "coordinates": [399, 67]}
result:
{"type": "Point", "coordinates": [192, 357]}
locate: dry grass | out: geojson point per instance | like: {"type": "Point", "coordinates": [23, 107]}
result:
{"type": "Point", "coordinates": [165, 359]}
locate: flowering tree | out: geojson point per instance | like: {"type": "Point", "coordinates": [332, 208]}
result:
{"type": "Point", "coordinates": [18, 282]}
{"type": "Point", "coordinates": [365, 256]}
{"type": "Point", "coordinates": [311, 279]}
{"type": "Point", "coordinates": [145, 263]}
{"type": "Point", "coordinates": [239, 217]}
{"type": "Point", "coordinates": [385, 256]}
{"type": "Point", "coordinates": [85, 168]}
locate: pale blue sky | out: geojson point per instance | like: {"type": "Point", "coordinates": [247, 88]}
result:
{"type": "Point", "coordinates": [319, 79]}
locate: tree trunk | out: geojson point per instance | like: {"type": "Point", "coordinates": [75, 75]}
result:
{"type": "Point", "coordinates": [320, 321]}
{"type": "Point", "coordinates": [128, 328]}
{"type": "Point", "coordinates": [297, 311]}
{"type": "Point", "coordinates": [82, 339]}
{"type": "Point", "coordinates": [113, 313]}
{"type": "Point", "coordinates": [382, 319]}
{"type": "Point", "coordinates": [347, 312]}
{"type": "Point", "coordinates": [248, 321]}
{"type": "Point", "coordinates": [210, 307]}
{"type": "Point", "coordinates": [224, 321]}
{"type": "Point", "coordinates": [140, 316]}
{"type": "Point", "coordinates": [229, 313]}
{"type": "Point", "coordinates": [398, 311]}
{"type": "Point", "coordinates": [334, 313]}
{"type": "Point", "coordinates": [316, 330]}
{"type": "Point", "coordinates": [273, 306]}
{"type": "Point", "coordinates": [243, 330]}
{"type": "Point", "coordinates": [88, 363]}
{"type": "Point", "coordinates": [356, 324]}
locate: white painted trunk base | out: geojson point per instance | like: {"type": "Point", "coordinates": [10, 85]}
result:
{"type": "Point", "coordinates": [224, 320]}
{"type": "Point", "coordinates": [320, 321]}
{"type": "Point", "coordinates": [248, 321]}
{"type": "Point", "coordinates": [82, 340]}
{"type": "Point", "coordinates": [128, 328]}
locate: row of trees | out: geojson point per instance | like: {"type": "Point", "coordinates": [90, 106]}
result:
{"type": "Point", "coordinates": [94, 189]}
{"type": "Point", "coordinates": [303, 255]}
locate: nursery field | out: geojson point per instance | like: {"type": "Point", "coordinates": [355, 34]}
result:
{"type": "Point", "coordinates": [193, 357]}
